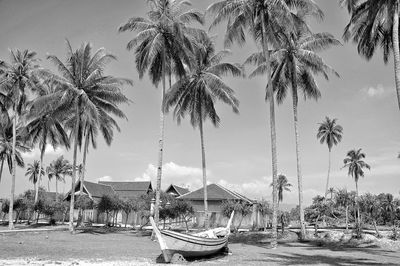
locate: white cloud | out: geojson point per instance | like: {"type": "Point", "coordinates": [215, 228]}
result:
{"type": "Point", "coordinates": [35, 153]}
{"type": "Point", "coordinates": [105, 178]}
{"type": "Point", "coordinates": [173, 173]}
{"type": "Point", "coordinates": [377, 91]}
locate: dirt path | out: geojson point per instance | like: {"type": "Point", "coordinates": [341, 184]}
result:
{"type": "Point", "coordinates": [128, 248]}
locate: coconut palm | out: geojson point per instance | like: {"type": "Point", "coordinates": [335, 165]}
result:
{"type": "Point", "coordinates": [294, 63]}
{"type": "Point", "coordinates": [32, 171]}
{"type": "Point", "coordinates": [350, 5]}
{"type": "Point", "coordinates": [345, 199]}
{"type": "Point", "coordinates": [15, 80]}
{"type": "Point", "coordinates": [6, 140]}
{"type": "Point", "coordinates": [259, 18]}
{"type": "Point", "coordinates": [196, 94]}
{"type": "Point", "coordinates": [84, 89]}
{"type": "Point", "coordinates": [374, 24]}
{"type": "Point", "coordinates": [332, 191]}
{"type": "Point", "coordinates": [355, 164]}
{"type": "Point", "coordinates": [44, 126]}
{"type": "Point", "coordinates": [283, 184]}
{"type": "Point", "coordinates": [331, 133]}
{"type": "Point", "coordinates": [57, 170]}
{"type": "Point", "coordinates": [163, 39]}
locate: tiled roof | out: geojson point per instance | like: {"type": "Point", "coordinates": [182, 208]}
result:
{"type": "Point", "coordinates": [141, 186]}
{"type": "Point", "coordinates": [177, 190]}
{"type": "Point", "coordinates": [98, 190]}
{"type": "Point", "coordinates": [215, 192]}
{"type": "Point", "coordinates": [129, 189]}
{"type": "Point", "coordinates": [93, 189]}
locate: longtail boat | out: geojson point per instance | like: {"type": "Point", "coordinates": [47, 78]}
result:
{"type": "Point", "coordinates": [189, 246]}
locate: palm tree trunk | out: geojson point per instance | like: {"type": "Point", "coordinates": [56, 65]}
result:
{"type": "Point", "coordinates": [296, 132]}
{"type": "Point", "coordinates": [82, 177]}
{"type": "Point", "coordinates": [160, 145]}
{"type": "Point", "coordinates": [14, 168]}
{"type": "Point", "coordinates": [71, 207]}
{"type": "Point", "coordinates": [347, 218]}
{"type": "Point", "coordinates": [270, 96]}
{"type": "Point", "coordinates": [327, 179]}
{"type": "Point", "coordinates": [358, 209]}
{"type": "Point", "coordinates": [1, 167]}
{"type": "Point", "coordinates": [203, 160]}
{"type": "Point", "coordinates": [40, 166]}
{"type": "Point", "coordinates": [56, 189]}
{"type": "Point", "coordinates": [396, 49]}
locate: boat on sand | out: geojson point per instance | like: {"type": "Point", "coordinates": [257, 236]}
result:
{"type": "Point", "coordinates": [176, 246]}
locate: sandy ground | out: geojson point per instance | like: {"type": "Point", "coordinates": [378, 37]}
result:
{"type": "Point", "coordinates": [130, 248]}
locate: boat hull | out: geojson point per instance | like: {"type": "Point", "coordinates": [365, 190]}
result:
{"type": "Point", "coordinates": [191, 246]}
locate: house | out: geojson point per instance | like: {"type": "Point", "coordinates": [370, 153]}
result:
{"type": "Point", "coordinates": [216, 194]}
{"type": "Point", "coordinates": [176, 191]}
{"type": "Point", "coordinates": [95, 191]}
{"type": "Point", "coordinates": [127, 190]}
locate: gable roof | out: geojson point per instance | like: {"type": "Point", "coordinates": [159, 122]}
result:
{"type": "Point", "coordinates": [215, 192]}
{"type": "Point", "coordinates": [177, 190]}
{"type": "Point", "coordinates": [129, 189]}
{"type": "Point", "coordinates": [94, 190]}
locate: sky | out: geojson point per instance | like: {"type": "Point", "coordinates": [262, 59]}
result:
{"type": "Point", "coordinates": [238, 152]}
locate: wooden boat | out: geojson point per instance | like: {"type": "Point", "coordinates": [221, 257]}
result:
{"type": "Point", "coordinates": [173, 243]}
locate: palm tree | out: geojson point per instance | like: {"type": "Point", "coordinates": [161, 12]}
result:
{"type": "Point", "coordinates": [260, 18]}
{"type": "Point", "coordinates": [195, 95]}
{"type": "Point", "coordinates": [57, 170]}
{"type": "Point", "coordinates": [15, 81]}
{"type": "Point", "coordinates": [343, 198]}
{"type": "Point", "coordinates": [374, 24]}
{"type": "Point", "coordinates": [355, 164]}
{"type": "Point", "coordinates": [163, 39]}
{"type": "Point", "coordinates": [332, 191]}
{"type": "Point", "coordinates": [350, 5]}
{"type": "Point", "coordinates": [84, 90]}
{"type": "Point", "coordinates": [6, 140]}
{"type": "Point", "coordinates": [44, 125]}
{"type": "Point", "coordinates": [330, 133]}
{"type": "Point", "coordinates": [283, 184]}
{"type": "Point", "coordinates": [34, 174]}
{"type": "Point", "coordinates": [295, 62]}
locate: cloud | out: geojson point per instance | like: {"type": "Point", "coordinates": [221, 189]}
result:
{"type": "Point", "coordinates": [377, 91]}
{"type": "Point", "coordinates": [173, 173]}
{"type": "Point", "coordinates": [105, 178]}
{"type": "Point", "coordinates": [35, 153]}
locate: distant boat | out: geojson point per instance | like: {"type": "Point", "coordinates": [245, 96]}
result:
{"type": "Point", "coordinates": [197, 245]}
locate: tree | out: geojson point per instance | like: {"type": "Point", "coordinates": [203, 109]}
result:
{"type": "Point", "coordinates": [163, 39]}
{"type": "Point", "coordinates": [196, 94]}
{"type": "Point", "coordinates": [374, 24]}
{"type": "Point", "coordinates": [45, 124]}
{"type": "Point", "coordinates": [184, 210]}
{"type": "Point", "coordinates": [240, 207]}
{"type": "Point", "coordinates": [6, 140]}
{"type": "Point", "coordinates": [343, 198]}
{"type": "Point", "coordinates": [355, 164]}
{"type": "Point", "coordinates": [34, 174]}
{"type": "Point", "coordinates": [129, 206]}
{"type": "Point", "coordinates": [297, 62]}
{"type": "Point", "coordinates": [105, 205]}
{"type": "Point", "coordinates": [260, 19]}
{"type": "Point", "coordinates": [283, 184]}
{"type": "Point", "coordinates": [371, 207]}
{"type": "Point", "coordinates": [265, 210]}
{"type": "Point", "coordinates": [332, 191]}
{"type": "Point", "coordinates": [57, 170]}
{"type": "Point", "coordinates": [331, 133]}
{"type": "Point", "coordinates": [84, 91]}
{"type": "Point", "coordinates": [16, 78]}
{"type": "Point", "coordinates": [350, 5]}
